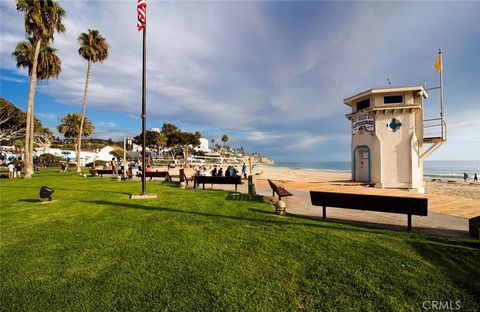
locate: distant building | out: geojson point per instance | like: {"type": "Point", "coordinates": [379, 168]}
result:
{"type": "Point", "coordinates": [203, 147]}
{"type": "Point", "coordinates": [85, 156]}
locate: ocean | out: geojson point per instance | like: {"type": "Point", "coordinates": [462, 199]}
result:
{"type": "Point", "coordinates": [433, 169]}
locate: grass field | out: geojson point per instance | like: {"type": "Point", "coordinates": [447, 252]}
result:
{"type": "Point", "coordinates": [94, 249]}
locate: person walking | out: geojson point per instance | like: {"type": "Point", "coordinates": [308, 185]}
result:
{"type": "Point", "coordinates": [475, 178]}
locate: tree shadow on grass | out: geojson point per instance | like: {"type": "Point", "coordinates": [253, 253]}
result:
{"type": "Point", "coordinates": [280, 221]}
{"type": "Point", "coordinates": [460, 264]}
{"type": "Point", "coordinates": [439, 233]}
{"type": "Point", "coordinates": [70, 190]}
{"type": "Point", "coordinates": [262, 211]}
{"type": "Point", "coordinates": [246, 197]}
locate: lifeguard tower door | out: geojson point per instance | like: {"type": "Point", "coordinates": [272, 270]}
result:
{"type": "Point", "coordinates": [362, 157]}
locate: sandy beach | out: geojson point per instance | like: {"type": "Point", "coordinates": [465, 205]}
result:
{"type": "Point", "coordinates": [307, 179]}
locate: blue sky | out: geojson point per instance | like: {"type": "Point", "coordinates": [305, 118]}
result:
{"type": "Point", "coordinates": [271, 75]}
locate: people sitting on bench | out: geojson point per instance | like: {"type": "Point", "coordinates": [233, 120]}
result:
{"type": "Point", "coordinates": [216, 180]}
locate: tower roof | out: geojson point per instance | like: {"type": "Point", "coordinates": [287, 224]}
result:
{"type": "Point", "coordinates": [349, 101]}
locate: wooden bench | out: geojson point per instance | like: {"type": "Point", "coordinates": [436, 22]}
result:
{"type": "Point", "coordinates": [474, 226]}
{"type": "Point", "coordinates": [184, 178]}
{"type": "Point", "coordinates": [280, 190]}
{"type": "Point", "coordinates": [391, 204]}
{"type": "Point", "coordinates": [158, 174]}
{"type": "Point", "coordinates": [101, 172]}
{"type": "Point", "coordinates": [216, 180]}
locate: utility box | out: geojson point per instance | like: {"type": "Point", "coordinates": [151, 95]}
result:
{"type": "Point", "coordinates": [388, 137]}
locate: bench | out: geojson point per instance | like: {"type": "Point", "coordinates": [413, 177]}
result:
{"type": "Point", "coordinates": [474, 226]}
{"type": "Point", "coordinates": [216, 180]}
{"type": "Point", "coordinates": [184, 178]}
{"type": "Point", "coordinates": [391, 204]}
{"type": "Point", "coordinates": [101, 172]}
{"type": "Point", "coordinates": [158, 174]}
{"type": "Point", "coordinates": [279, 190]}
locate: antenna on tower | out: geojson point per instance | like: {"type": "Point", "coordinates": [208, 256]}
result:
{"type": "Point", "coordinates": [389, 82]}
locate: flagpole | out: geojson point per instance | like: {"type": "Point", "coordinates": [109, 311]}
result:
{"type": "Point", "coordinates": [144, 106]}
{"type": "Point", "coordinates": [441, 91]}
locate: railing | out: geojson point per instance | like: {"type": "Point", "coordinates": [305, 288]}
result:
{"type": "Point", "coordinates": [435, 128]}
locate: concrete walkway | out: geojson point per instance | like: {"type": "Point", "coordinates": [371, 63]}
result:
{"type": "Point", "coordinates": [299, 205]}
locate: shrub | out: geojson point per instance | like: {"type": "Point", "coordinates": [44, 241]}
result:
{"type": "Point", "coordinates": [97, 163]}
{"type": "Point", "coordinates": [50, 160]}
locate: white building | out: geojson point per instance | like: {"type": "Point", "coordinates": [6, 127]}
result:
{"type": "Point", "coordinates": [203, 147]}
{"type": "Point", "coordinates": [388, 137]}
{"type": "Point", "coordinates": [85, 156]}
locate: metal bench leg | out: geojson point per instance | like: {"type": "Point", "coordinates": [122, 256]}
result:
{"type": "Point", "coordinates": [203, 185]}
{"type": "Point", "coordinates": [409, 222]}
{"type": "Point", "coordinates": [324, 212]}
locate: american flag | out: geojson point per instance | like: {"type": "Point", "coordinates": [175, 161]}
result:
{"type": "Point", "coordinates": [142, 14]}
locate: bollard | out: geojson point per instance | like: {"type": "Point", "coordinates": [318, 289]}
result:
{"type": "Point", "coordinates": [280, 208]}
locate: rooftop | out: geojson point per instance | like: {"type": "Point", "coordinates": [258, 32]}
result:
{"type": "Point", "coordinates": [352, 99]}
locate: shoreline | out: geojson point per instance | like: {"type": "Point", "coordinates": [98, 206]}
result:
{"type": "Point", "coordinates": [427, 177]}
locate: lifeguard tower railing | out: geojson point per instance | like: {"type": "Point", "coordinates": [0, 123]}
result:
{"type": "Point", "coordinates": [435, 130]}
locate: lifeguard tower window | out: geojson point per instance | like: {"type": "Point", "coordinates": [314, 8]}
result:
{"type": "Point", "coordinates": [393, 99]}
{"type": "Point", "coordinates": [363, 104]}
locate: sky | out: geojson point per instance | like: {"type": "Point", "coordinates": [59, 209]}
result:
{"type": "Point", "coordinates": [271, 75]}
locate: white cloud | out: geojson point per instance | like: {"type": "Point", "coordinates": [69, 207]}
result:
{"type": "Point", "coordinates": [47, 116]}
{"type": "Point", "coordinates": [107, 124]}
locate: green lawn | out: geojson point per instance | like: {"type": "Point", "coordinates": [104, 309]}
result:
{"type": "Point", "coordinates": [93, 249]}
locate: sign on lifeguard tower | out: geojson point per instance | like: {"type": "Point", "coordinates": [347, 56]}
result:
{"type": "Point", "coordinates": [388, 137]}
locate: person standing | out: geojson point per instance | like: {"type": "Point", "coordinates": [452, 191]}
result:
{"type": "Point", "coordinates": [11, 171]}
{"type": "Point", "coordinates": [113, 163]}
{"type": "Point", "coordinates": [475, 178]}
{"type": "Point", "coordinates": [244, 170]}
{"type": "Point", "coordinates": [18, 170]}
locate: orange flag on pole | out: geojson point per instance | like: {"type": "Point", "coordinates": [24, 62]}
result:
{"type": "Point", "coordinates": [438, 63]}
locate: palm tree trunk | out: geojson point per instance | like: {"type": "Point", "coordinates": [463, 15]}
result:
{"type": "Point", "coordinates": [84, 108]}
{"type": "Point", "coordinates": [28, 160]}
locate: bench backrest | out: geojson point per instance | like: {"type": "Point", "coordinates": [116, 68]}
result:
{"type": "Point", "coordinates": [273, 186]}
{"type": "Point", "coordinates": [218, 180]}
{"type": "Point", "coordinates": [156, 174]}
{"type": "Point", "coordinates": [393, 204]}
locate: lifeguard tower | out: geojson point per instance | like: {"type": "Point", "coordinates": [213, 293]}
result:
{"type": "Point", "coordinates": [389, 137]}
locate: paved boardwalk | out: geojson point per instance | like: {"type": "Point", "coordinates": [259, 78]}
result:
{"type": "Point", "coordinates": [447, 215]}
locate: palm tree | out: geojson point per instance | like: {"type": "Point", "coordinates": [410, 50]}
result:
{"type": "Point", "coordinates": [48, 65]}
{"type": "Point", "coordinates": [93, 48]}
{"type": "Point", "coordinates": [224, 140]}
{"type": "Point", "coordinates": [70, 128]}
{"type": "Point", "coordinates": [42, 19]}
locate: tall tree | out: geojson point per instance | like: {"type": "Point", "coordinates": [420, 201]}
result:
{"type": "Point", "coordinates": [93, 48]}
{"type": "Point", "coordinates": [42, 19]}
{"type": "Point", "coordinates": [154, 140]}
{"type": "Point", "coordinates": [224, 140]}
{"type": "Point", "coordinates": [12, 124]}
{"type": "Point", "coordinates": [70, 128]}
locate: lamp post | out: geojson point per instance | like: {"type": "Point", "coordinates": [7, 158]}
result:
{"type": "Point", "coordinates": [126, 142]}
